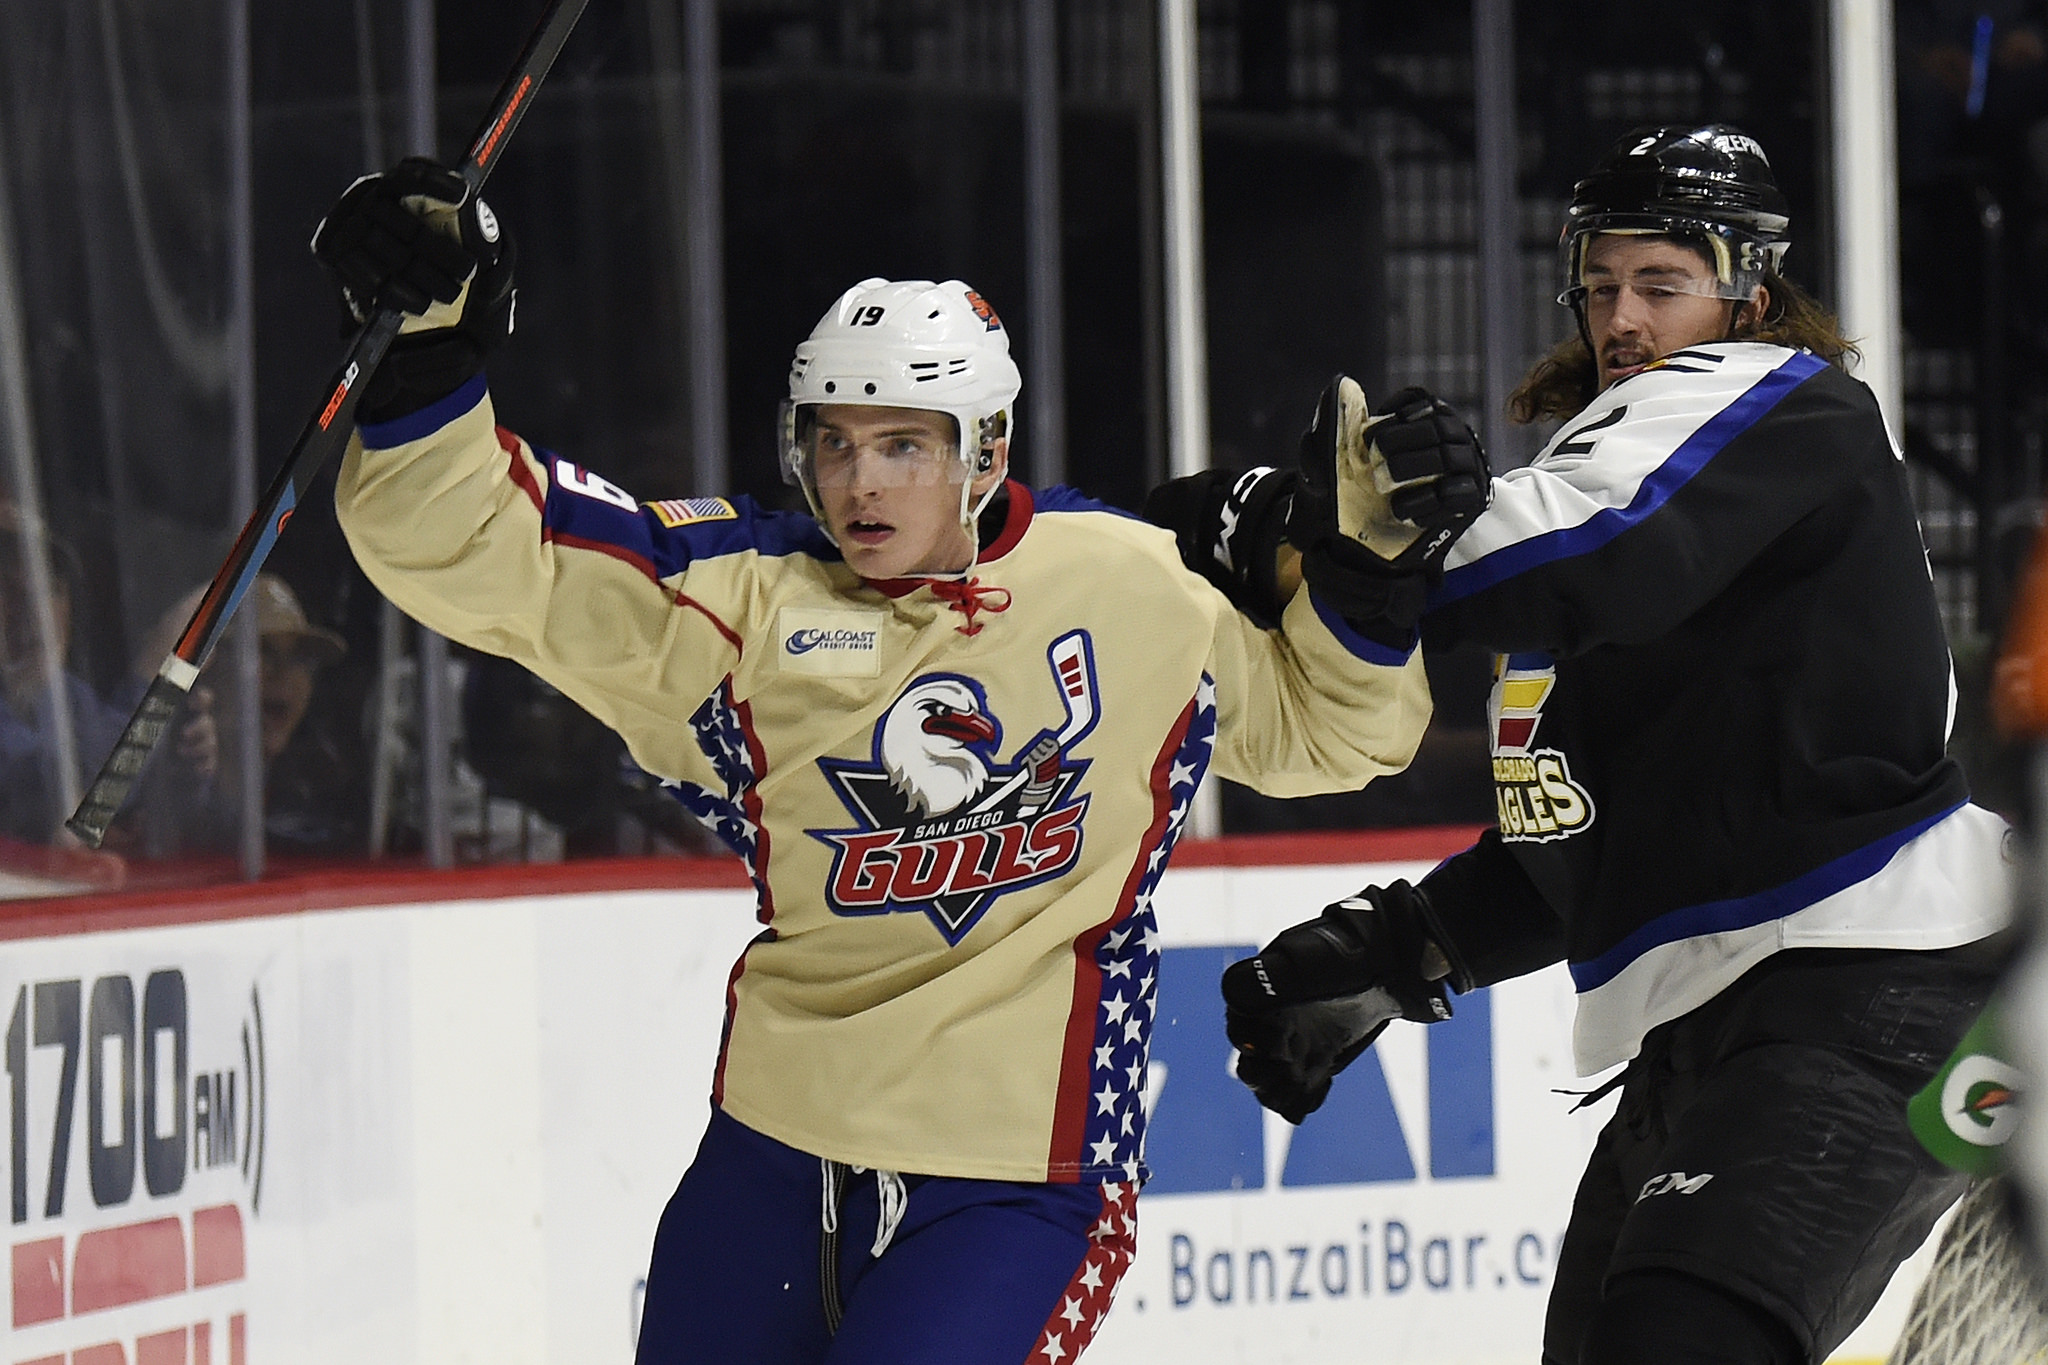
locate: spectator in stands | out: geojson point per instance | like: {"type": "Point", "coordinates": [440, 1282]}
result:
{"type": "Point", "coordinates": [305, 810]}
{"type": "Point", "coordinates": [31, 805]}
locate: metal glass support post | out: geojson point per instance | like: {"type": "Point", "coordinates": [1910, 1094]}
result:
{"type": "Point", "coordinates": [436, 706]}
{"type": "Point", "coordinates": [1187, 323]}
{"type": "Point", "coordinates": [386, 751]}
{"type": "Point", "coordinates": [1187, 349]}
{"type": "Point", "coordinates": [1499, 222]}
{"type": "Point", "coordinates": [1143, 17]}
{"type": "Point", "coordinates": [1864, 166]}
{"type": "Point", "coordinates": [17, 435]}
{"type": "Point", "coordinates": [247, 640]}
{"type": "Point", "coordinates": [369, 105]}
{"type": "Point", "coordinates": [689, 123]}
{"type": "Point", "coordinates": [1045, 367]}
{"type": "Point", "coordinates": [392, 624]}
{"type": "Point", "coordinates": [711, 456]}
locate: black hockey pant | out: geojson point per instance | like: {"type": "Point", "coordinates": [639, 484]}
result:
{"type": "Point", "coordinates": [1758, 1184]}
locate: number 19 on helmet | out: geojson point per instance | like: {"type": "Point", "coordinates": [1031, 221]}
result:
{"type": "Point", "coordinates": [905, 344]}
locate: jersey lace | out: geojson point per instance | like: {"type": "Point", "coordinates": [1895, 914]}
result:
{"type": "Point", "coordinates": [969, 597]}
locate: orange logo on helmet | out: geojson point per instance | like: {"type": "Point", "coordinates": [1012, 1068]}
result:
{"type": "Point", "coordinates": [983, 311]}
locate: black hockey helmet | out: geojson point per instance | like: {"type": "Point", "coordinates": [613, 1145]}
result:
{"type": "Point", "coordinates": [1710, 186]}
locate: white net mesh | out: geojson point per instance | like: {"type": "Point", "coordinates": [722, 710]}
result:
{"type": "Point", "coordinates": [1980, 1304]}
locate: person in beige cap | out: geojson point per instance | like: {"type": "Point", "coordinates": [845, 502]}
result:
{"type": "Point", "coordinates": [292, 651]}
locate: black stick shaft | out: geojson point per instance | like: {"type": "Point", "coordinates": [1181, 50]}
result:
{"type": "Point", "coordinates": [325, 433]}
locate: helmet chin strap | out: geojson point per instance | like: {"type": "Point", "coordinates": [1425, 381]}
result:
{"type": "Point", "coordinates": [970, 517]}
{"type": "Point", "coordinates": [1585, 330]}
{"type": "Point", "coordinates": [1736, 307]}
{"type": "Point", "coordinates": [971, 509]}
{"type": "Point", "coordinates": [1736, 310]}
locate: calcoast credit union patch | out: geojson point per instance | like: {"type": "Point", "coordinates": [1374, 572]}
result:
{"type": "Point", "coordinates": [827, 643]}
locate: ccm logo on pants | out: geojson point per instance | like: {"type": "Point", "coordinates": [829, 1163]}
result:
{"type": "Point", "coordinates": [1676, 1182]}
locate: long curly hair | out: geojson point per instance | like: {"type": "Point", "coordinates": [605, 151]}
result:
{"type": "Point", "coordinates": [1564, 381]}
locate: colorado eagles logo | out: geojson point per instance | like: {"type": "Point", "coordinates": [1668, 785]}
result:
{"type": "Point", "coordinates": [945, 826]}
{"type": "Point", "coordinates": [1538, 800]}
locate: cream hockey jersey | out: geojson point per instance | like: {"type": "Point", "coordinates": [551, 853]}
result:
{"type": "Point", "coordinates": [955, 799]}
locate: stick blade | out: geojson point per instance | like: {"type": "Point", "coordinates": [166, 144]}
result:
{"type": "Point", "coordinates": [123, 768]}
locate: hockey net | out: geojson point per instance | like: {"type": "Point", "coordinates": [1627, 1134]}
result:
{"type": "Point", "coordinates": [1981, 1304]}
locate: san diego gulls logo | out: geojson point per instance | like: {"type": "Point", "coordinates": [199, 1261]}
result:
{"type": "Point", "coordinates": [944, 826]}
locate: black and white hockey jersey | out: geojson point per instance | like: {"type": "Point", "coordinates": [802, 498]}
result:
{"type": "Point", "coordinates": [1721, 698]}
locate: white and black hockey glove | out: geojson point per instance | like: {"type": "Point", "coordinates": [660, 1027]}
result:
{"type": "Point", "coordinates": [1320, 993]}
{"type": "Point", "coordinates": [1230, 525]}
{"type": "Point", "coordinates": [413, 238]}
{"type": "Point", "coordinates": [1384, 494]}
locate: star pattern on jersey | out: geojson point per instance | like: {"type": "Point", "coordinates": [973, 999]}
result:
{"type": "Point", "coordinates": [1113, 1134]}
{"type": "Point", "coordinates": [722, 735]}
{"type": "Point", "coordinates": [1112, 1242]}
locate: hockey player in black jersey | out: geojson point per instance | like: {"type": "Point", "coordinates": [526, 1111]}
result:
{"type": "Point", "coordinates": [1719, 713]}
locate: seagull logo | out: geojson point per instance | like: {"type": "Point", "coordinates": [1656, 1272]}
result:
{"type": "Point", "coordinates": [943, 824]}
{"type": "Point", "coordinates": [932, 745]}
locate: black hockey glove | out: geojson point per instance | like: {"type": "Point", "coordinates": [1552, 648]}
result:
{"type": "Point", "coordinates": [413, 238]}
{"type": "Point", "coordinates": [1384, 494]}
{"type": "Point", "coordinates": [1320, 993]}
{"type": "Point", "coordinates": [1230, 526]}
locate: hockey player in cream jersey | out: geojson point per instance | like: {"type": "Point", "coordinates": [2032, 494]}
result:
{"type": "Point", "coordinates": [952, 725]}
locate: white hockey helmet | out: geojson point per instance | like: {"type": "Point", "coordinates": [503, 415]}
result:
{"type": "Point", "coordinates": [906, 344]}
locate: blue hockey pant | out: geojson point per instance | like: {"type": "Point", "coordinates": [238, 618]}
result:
{"type": "Point", "coordinates": [750, 1267]}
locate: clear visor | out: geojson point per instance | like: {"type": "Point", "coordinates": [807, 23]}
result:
{"type": "Point", "coordinates": [870, 448]}
{"type": "Point", "coordinates": [1654, 288]}
{"type": "Point", "coordinates": [1722, 275]}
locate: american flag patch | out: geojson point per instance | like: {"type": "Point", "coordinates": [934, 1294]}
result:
{"type": "Point", "coordinates": [686, 511]}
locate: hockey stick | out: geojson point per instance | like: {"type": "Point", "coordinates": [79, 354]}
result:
{"type": "Point", "coordinates": [1073, 668]}
{"type": "Point", "coordinates": [324, 433]}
